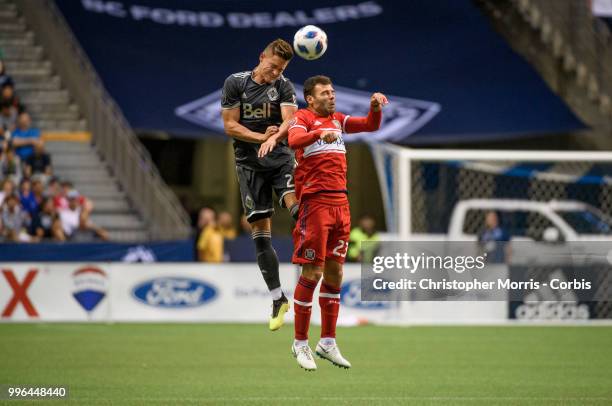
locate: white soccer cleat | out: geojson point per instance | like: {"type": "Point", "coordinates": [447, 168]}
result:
{"type": "Point", "coordinates": [304, 357]}
{"type": "Point", "coordinates": [332, 354]}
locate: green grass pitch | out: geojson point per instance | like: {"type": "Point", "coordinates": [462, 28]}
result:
{"type": "Point", "coordinates": [246, 364]}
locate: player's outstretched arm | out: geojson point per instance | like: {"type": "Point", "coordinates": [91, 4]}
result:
{"type": "Point", "coordinates": [372, 121]}
{"type": "Point", "coordinates": [283, 132]}
{"type": "Point", "coordinates": [236, 130]}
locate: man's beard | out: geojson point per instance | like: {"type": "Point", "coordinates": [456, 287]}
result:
{"type": "Point", "coordinates": [327, 110]}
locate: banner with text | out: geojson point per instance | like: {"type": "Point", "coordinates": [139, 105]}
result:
{"type": "Point", "coordinates": [196, 293]}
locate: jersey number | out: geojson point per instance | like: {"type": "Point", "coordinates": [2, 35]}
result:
{"type": "Point", "coordinates": [341, 244]}
{"type": "Point", "coordinates": [290, 183]}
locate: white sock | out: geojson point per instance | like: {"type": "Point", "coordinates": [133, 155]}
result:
{"type": "Point", "coordinates": [300, 343]}
{"type": "Point", "coordinates": [276, 293]}
{"type": "Point", "coordinates": [328, 341]}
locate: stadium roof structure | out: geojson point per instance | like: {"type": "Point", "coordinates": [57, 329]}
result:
{"type": "Point", "coordinates": [450, 77]}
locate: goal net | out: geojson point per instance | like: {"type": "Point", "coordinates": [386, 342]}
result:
{"type": "Point", "coordinates": [421, 188]}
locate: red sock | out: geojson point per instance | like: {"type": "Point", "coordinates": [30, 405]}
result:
{"type": "Point", "coordinates": [302, 305]}
{"type": "Point", "coordinates": [329, 301]}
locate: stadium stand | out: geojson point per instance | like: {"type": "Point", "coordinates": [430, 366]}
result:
{"type": "Point", "coordinates": [55, 110]}
{"type": "Point", "coordinates": [570, 48]}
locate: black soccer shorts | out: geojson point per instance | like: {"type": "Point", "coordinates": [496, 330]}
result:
{"type": "Point", "coordinates": [256, 189]}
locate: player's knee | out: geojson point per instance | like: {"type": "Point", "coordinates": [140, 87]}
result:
{"type": "Point", "coordinates": [333, 273]}
{"type": "Point", "coordinates": [334, 279]}
{"type": "Point", "coordinates": [262, 224]}
{"type": "Point", "coordinates": [312, 273]}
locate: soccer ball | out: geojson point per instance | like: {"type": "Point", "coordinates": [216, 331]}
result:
{"type": "Point", "coordinates": [310, 42]}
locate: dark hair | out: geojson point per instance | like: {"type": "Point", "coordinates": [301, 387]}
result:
{"type": "Point", "coordinates": [280, 47]}
{"type": "Point", "coordinates": [311, 82]}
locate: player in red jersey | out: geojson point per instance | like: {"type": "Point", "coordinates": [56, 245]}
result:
{"type": "Point", "coordinates": [321, 234]}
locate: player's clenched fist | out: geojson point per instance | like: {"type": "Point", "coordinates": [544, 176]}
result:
{"type": "Point", "coordinates": [377, 101]}
{"type": "Point", "coordinates": [328, 136]}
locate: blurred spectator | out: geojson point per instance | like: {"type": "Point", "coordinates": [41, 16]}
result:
{"type": "Point", "coordinates": [10, 165]}
{"type": "Point", "coordinates": [38, 189]}
{"type": "Point", "coordinates": [226, 226]}
{"type": "Point", "coordinates": [61, 200]}
{"type": "Point", "coordinates": [47, 223]}
{"type": "Point", "coordinates": [8, 188]}
{"type": "Point", "coordinates": [25, 137]}
{"type": "Point", "coordinates": [14, 220]}
{"type": "Point", "coordinates": [4, 78]}
{"type": "Point", "coordinates": [366, 231]}
{"type": "Point", "coordinates": [5, 139]}
{"type": "Point", "coordinates": [206, 216]}
{"type": "Point", "coordinates": [7, 95]}
{"type": "Point", "coordinates": [210, 240]}
{"type": "Point", "coordinates": [54, 190]}
{"type": "Point", "coordinates": [38, 164]}
{"type": "Point", "coordinates": [70, 215]}
{"type": "Point", "coordinates": [27, 199]}
{"type": "Point", "coordinates": [88, 231]}
{"type": "Point", "coordinates": [493, 240]}
{"type": "Point", "coordinates": [228, 231]}
{"type": "Point", "coordinates": [8, 119]}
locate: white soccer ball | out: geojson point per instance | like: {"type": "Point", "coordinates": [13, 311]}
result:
{"type": "Point", "coordinates": [310, 42]}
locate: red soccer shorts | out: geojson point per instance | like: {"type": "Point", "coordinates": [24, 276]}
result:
{"type": "Point", "coordinates": [322, 231]}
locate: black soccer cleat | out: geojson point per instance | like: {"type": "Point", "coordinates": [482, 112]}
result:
{"type": "Point", "coordinates": [279, 308]}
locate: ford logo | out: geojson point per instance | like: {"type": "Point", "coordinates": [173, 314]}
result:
{"type": "Point", "coordinates": [174, 292]}
{"type": "Point", "coordinates": [350, 295]}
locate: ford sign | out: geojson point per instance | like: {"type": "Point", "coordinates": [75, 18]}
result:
{"type": "Point", "coordinates": [174, 292]}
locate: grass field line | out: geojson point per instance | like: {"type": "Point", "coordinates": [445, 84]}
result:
{"type": "Point", "coordinates": [373, 398]}
{"type": "Point", "coordinates": [412, 324]}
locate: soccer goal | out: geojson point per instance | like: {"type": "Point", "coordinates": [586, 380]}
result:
{"type": "Point", "coordinates": [540, 197]}
{"type": "Point", "coordinates": [421, 188]}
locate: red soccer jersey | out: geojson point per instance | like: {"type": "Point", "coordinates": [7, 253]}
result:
{"type": "Point", "coordinates": [321, 167]}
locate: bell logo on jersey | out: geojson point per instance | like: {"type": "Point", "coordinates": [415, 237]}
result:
{"type": "Point", "coordinates": [249, 112]}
